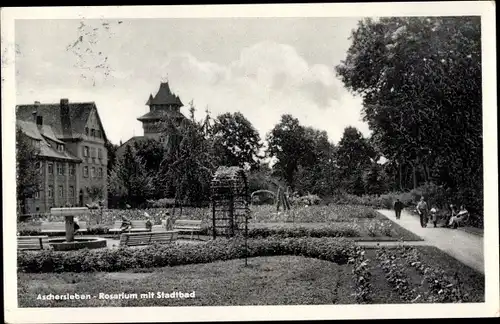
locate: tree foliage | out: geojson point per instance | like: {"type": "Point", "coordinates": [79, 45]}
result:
{"type": "Point", "coordinates": [420, 80]}
{"type": "Point", "coordinates": [130, 180]}
{"type": "Point", "coordinates": [289, 145]}
{"type": "Point", "coordinates": [27, 176]}
{"type": "Point", "coordinates": [236, 141]}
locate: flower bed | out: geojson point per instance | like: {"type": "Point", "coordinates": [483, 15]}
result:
{"type": "Point", "coordinates": [439, 286]}
{"type": "Point", "coordinates": [313, 214]}
{"type": "Point", "coordinates": [396, 275]}
{"type": "Point", "coordinates": [361, 276]}
{"type": "Point", "coordinates": [109, 260]}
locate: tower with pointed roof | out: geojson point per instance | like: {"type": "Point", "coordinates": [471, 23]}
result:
{"type": "Point", "coordinates": [164, 104]}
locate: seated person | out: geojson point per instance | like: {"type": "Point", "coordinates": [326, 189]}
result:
{"type": "Point", "coordinates": [149, 225]}
{"type": "Point", "coordinates": [457, 219]}
{"type": "Point", "coordinates": [126, 223]}
{"type": "Point", "coordinates": [76, 224]}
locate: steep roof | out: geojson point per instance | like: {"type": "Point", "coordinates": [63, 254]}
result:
{"type": "Point", "coordinates": [42, 134]}
{"type": "Point", "coordinates": [131, 142]}
{"type": "Point", "coordinates": [159, 114]}
{"type": "Point", "coordinates": [164, 96]}
{"type": "Point", "coordinates": [70, 125]}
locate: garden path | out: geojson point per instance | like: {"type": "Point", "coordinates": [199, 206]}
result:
{"type": "Point", "coordinates": [463, 246]}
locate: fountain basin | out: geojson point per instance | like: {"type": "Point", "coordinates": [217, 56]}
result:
{"type": "Point", "coordinates": [79, 243]}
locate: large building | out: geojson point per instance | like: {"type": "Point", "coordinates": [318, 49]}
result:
{"type": "Point", "coordinates": [73, 156]}
{"type": "Point", "coordinates": [163, 105]}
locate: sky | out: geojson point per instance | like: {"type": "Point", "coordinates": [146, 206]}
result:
{"type": "Point", "coordinates": [261, 67]}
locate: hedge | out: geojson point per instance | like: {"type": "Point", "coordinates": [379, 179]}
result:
{"type": "Point", "coordinates": [340, 230]}
{"type": "Point", "coordinates": [110, 260]}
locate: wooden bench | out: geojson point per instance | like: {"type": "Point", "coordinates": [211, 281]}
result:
{"type": "Point", "coordinates": [136, 226]}
{"type": "Point", "coordinates": [137, 239]}
{"type": "Point", "coordinates": [117, 227]}
{"type": "Point", "coordinates": [186, 225]}
{"type": "Point", "coordinates": [60, 227]}
{"type": "Point", "coordinates": [33, 242]}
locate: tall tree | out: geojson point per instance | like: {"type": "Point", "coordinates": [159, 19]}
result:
{"type": "Point", "coordinates": [130, 179]}
{"type": "Point", "coordinates": [288, 144]}
{"type": "Point", "coordinates": [354, 156]}
{"type": "Point", "coordinates": [420, 79]}
{"type": "Point", "coordinates": [111, 150]}
{"type": "Point", "coordinates": [236, 141]}
{"type": "Point", "coordinates": [28, 179]}
{"type": "Point", "coordinates": [188, 169]}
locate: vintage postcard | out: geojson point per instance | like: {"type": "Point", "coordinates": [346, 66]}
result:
{"type": "Point", "coordinates": [250, 162]}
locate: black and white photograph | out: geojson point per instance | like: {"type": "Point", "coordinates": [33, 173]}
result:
{"type": "Point", "coordinates": [336, 159]}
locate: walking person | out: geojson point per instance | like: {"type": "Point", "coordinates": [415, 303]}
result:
{"type": "Point", "coordinates": [398, 207]}
{"type": "Point", "coordinates": [434, 216]}
{"type": "Point", "coordinates": [422, 210]}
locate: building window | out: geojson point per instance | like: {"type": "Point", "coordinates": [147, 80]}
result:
{"type": "Point", "coordinates": [99, 153]}
{"type": "Point", "coordinates": [85, 151]}
{"type": "Point", "coordinates": [98, 133]}
{"type": "Point", "coordinates": [71, 191]}
{"type": "Point", "coordinates": [71, 169]}
{"type": "Point", "coordinates": [60, 147]}
{"type": "Point", "coordinates": [86, 171]}
{"type": "Point", "coordinates": [51, 168]}
{"type": "Point", "coordinates": [92, 152]}
{"type": "Point", "coordinates": [39, 166]}
{"type": "Point", "coordinates": [61, 192]}
{"type": "Point", "coordinates": [92, 132]}
{"type": "Point", "coordinates": [60, 169]}
{"type": "Point", "coordinates": [100, 173]}
{"type": "Point", "coordinates": [92, 172]}
{"type": "Point", "coordinates": [87, 131]}
{"type": "Point", "coordinates": [51, 192]}
{"type": "Point", "coordinates": [37, 195]}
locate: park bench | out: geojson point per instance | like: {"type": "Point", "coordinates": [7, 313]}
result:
{"type": "Point", "coordinates": [60, 227]}
{"type": "Point", "coordinates": [185, 225]}
{"type": "Point", "coordinates": [137, 239]}
{"type": "Point", "coordinates": [32, 242]}
{"type": "Point", "coordinates": [136, 226]}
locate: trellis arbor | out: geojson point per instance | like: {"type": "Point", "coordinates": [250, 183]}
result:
{"type": "Point", "coordinates": [230, 202]}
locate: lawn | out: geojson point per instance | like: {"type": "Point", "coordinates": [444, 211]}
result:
{"type": "Point", "coordinates": [281, 280]}
{"type": "Point", "coordinates": [272, 280]}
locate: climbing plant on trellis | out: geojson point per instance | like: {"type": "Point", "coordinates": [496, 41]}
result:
{"type": "Point", "coordinates": [230, 202]}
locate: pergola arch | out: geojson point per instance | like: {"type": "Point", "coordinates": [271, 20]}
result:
{"type": "Point", "coordinates": [230, 201]}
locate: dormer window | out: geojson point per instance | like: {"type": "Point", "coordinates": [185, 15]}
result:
{"type": "Point", "coordinates": [60, 147]}
{"type": "Point", "coordinates": [92, 132]}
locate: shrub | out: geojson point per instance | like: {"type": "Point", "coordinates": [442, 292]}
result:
{"type": "Point", "coordinates": [109, 260]}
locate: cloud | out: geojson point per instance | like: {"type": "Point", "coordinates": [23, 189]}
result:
{"type": "Point", "coordinates": [266, 81]}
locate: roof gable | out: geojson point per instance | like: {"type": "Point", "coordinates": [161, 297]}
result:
{"type": "Point", "coordinates": [70, 125]}
{"type": "Point", "coordinates": [164, 96]}
{"type": "Point", "coordinates": [44, 135]}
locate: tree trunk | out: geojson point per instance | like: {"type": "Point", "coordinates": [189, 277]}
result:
{"type": "Point", "coordinates": [414, 175]}
{"type": "Point", "coordinates": [400, 174]}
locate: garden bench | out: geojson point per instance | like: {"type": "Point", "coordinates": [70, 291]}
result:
{"type": "Point", "coordinates": [185, 225]}
{"type": "Point", "coordinates": [116, 227]}
{"type": "Point", "coordinates": [136, 239]}
{"type": "Point", "coordinates": [33, 242]}
{"type": "Point", "coordinates": [60, 227]}
{"type": "Point", "coordinates": [136, 226]}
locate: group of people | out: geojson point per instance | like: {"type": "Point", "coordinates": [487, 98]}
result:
{"type": "Point", "coordinates": [453, 220]}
